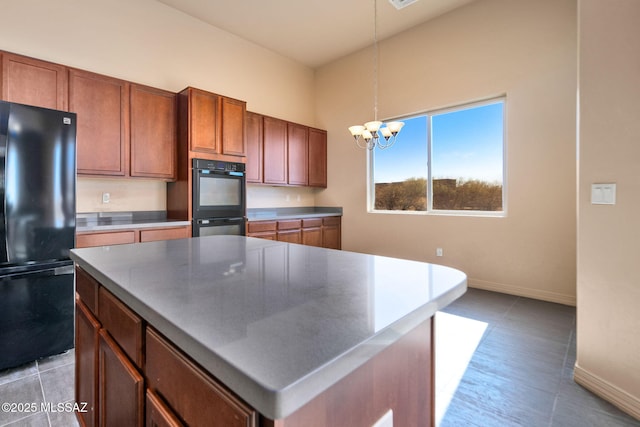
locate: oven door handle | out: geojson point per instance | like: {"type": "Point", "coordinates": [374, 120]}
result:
{"type": "Point", "coordinates": [219, 220]}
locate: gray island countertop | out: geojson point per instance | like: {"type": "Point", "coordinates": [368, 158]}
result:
{"type": "Point", "coordinates": [277, 323]}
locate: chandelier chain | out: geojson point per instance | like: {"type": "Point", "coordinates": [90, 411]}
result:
{"type": "Point", "coordinates": [375, 133]}
{"type": "Point", "coordinates": [375, 60]}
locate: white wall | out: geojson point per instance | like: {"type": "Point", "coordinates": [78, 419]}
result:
{"type": "Point", "coordinates": [608, 350]}
{"type": "Point", "coordinates": [526, 49]}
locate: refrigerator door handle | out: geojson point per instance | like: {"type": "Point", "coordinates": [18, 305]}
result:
{"type": "Point", "coordinates": [60, 271]}
{"type": "Point", "coordinates": [4, 138]}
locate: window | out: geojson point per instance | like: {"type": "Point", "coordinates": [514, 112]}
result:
{"type": "Point", "coordinates": [446, 161]}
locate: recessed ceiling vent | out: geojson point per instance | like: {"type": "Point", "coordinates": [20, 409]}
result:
{"type": "Point", "coordinates": [399, 4]}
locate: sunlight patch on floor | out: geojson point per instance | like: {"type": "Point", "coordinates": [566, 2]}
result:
{"type": "Point", "coordinates": [457, 338]}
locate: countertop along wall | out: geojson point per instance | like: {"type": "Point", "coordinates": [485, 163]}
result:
{"type": "Point", "coordinates": [526, 49]}
{"type": "Point", "coordinates": [146, 42]}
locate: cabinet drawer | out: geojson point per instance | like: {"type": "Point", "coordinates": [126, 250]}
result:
{"type": "Point", "coordinates": [256, 227]}
{"type": "Point", "coordinates": [102, 239]}
{"type": "Point", "coordinates": [122, 323]}
{"type": "Point", "coordinates": [311, 222]}
{"type": "Point", "coordinates": [331, 220]}
{"type": "Point", "coordinates": [289, 224]}
{"type": "Point", "coordinates": [164, 234]}
{"type": "Point", "coordinates": [87, 289]}
{"type": "Point", "coordinates": [193, 395]}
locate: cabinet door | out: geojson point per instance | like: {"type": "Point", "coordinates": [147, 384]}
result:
{"type": "Point", "coordinates": [331, 237]}
{"type": "Point", "coordinates": [121, 390]}
{"type": "Point", "coordinates": [312, 231]}
{"type": "Point", "coordinates": [317, 158]}
{"type": "Point", "coordinates": [158, 414]}
{"type": "Point", "coordinates": [232, 131]}
{"type": "Point", "coordinates": [33, 82]}
{"type": "Point", "coordinates": [297, 154]}
{"type": "Point", "coordinates": [102, 106]}
{"type": "Point", "coordinates": [275, 151]}
{"type": "Point", "coordinates": [86, 353]}
{"type": "Point", "coordinates": [253, 137]}
{"type": "Point", "coordinates": [153, 133]}
{"type": "Point", "coordinates": [204, 113]}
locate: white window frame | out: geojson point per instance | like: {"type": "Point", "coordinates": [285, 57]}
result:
{"type": "Point", "coordinates": [430, 210]}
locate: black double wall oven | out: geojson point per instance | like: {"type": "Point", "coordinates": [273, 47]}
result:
{"type": "Point", "coordinates": [219, 198]}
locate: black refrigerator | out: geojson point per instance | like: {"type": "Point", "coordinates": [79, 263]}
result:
{"type": "Point", "coordinates": [37, 229]}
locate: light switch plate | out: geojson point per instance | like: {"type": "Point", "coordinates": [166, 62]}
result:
{"type": "Point", "coordinates": [603, 194]}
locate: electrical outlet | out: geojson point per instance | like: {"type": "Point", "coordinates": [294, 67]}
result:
{"type": "Point", "coordinates": [439, 252]}
{"type": "Point", "coordinates": [106, 197]}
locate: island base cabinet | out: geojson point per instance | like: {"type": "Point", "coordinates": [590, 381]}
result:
{"type": "Point", "coordinates": [193, 395]}
{"type": "Point", "coordinates": [400, 378]}
{"type": "Point", "coordinates": [158, 414]}
{"type": "Point", "coordinates": [121, 387]}
{"type": "Point", "coordinates": [87, 327]}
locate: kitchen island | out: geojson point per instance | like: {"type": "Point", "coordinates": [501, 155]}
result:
{"type": "Point", "coordinates": [230, 330]}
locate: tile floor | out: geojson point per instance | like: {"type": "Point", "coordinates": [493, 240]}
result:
{"type": "Point", "coordinates": [501, 361]}
{"type": "Point", "coordinates": [48, 381]}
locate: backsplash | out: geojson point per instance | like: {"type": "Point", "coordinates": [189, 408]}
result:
{"type": "Point", "coordinates": [122, 195]}
{"type": "Point", "coordinates": [130, 195]}
{"type": "Point", "coordinates": [263, 196]}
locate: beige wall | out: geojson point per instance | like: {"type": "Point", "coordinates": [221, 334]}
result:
{"type": "Point", "coordinates": [608, 350]}
{"type": "Point", "coordinates": [147, 42]}
{"type": "Point", "coordinates": [526, 49]}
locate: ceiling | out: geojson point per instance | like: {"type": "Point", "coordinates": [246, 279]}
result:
{"type": "Point", "coordinates": [313, 33]}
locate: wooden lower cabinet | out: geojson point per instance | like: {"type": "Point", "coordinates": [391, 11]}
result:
{"type": "Point", "coordinates": [312, 232]}
{"type": "Point", "coordinates": [190, 392]}
{"type": "Point", "coordinates": [86, 351]}
{"type": "Point", "coordinates": [129, 375]}
{"type": "Point", "coordinates": [87, 240]}
{"type": "Point", "coordinates": [153, 235]}
{"type": "Point", "coordinates": [158, 414]}
{"type": "Point", "coordinates": [332, 232]}
{"type": "Point", "coordinates": [323, 232]}
{"type": "Point", "coordinates": [120, 237]}
{"type": "Point", "coordinates": [120, 385]}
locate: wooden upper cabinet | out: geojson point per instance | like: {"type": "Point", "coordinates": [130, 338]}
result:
{"type": "Point", "coordinates": [253, 138]}
{"type": "Point", "coordinates": [317, 158]}
{"type": "Point", "coordinates": [153, 133]}
{"type": "Point", "coordinates": [285, 153]}
{"type": "Point", "coordinates": [33, 82]}
{"type": "Point", "coordinates": [297, 154]}
{"type": "Point", "coordinates": [215, 123]}
{"type": "Point", "coordinates": [204, 118]}
{"type": "Point", "coordinates": [275, 151]}
{"type": "Point", "coordinates": [232, 122]}
{"type": "Point", "coordinates": [102, 106]}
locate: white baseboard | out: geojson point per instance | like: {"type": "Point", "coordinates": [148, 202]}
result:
{"type": "Point", "coordinates": [523, 292]}
{"type": "Point", "coordinates": [609, 392]}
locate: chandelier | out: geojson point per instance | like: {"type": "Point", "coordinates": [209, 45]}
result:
{"type": "Point", "coordinates": [375, 133]}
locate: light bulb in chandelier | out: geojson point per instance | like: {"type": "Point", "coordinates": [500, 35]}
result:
{"type": "Point", "coordinates": [371, 131]}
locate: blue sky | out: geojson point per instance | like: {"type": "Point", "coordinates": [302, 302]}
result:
{"type": "Point", "coordinates": [466, 144]}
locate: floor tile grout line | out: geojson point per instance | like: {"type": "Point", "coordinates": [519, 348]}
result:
{"type": "Point", "coordinates": [44, 396]}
